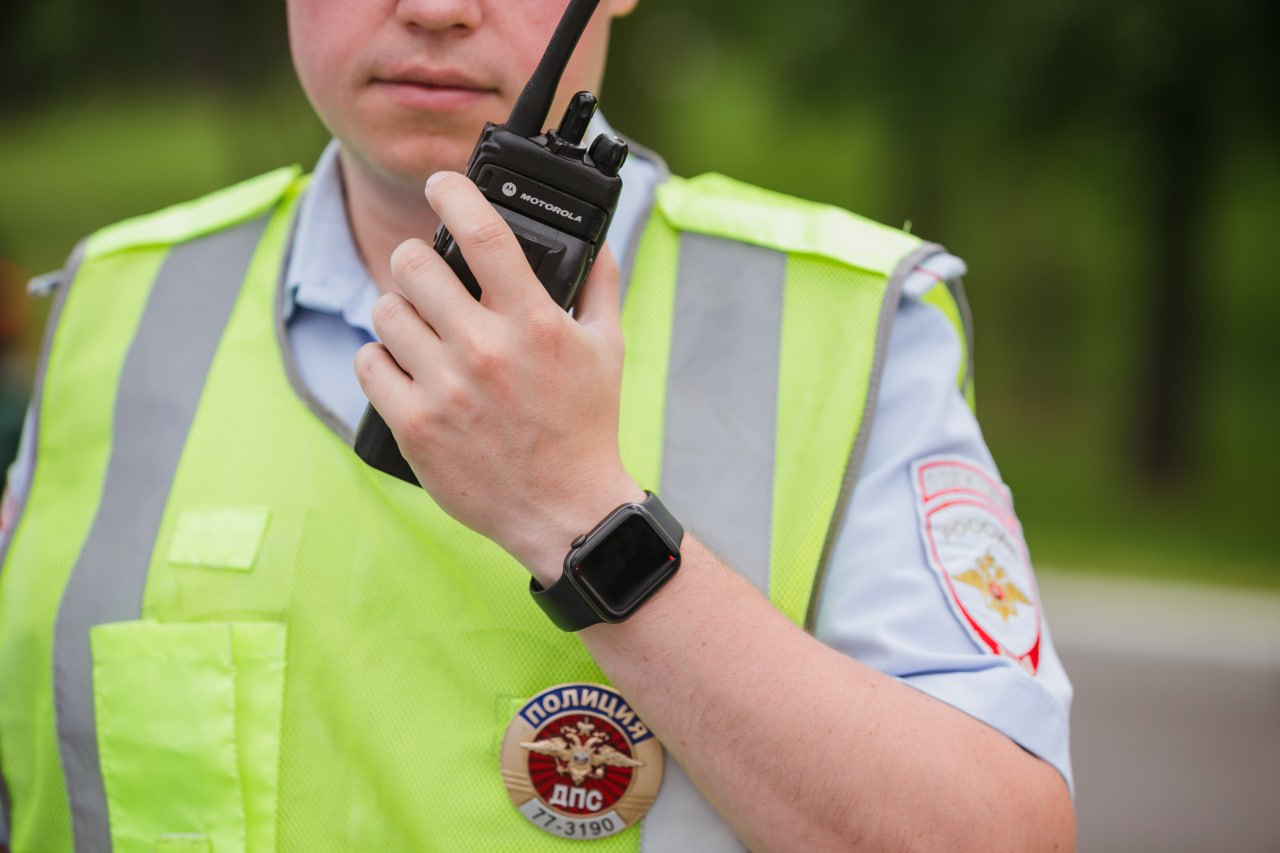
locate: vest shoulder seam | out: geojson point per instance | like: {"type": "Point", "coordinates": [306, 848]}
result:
{"type": "Point", "coordinates": [723, 207]}
{"type": "Point", "coordinates": [190, 219]}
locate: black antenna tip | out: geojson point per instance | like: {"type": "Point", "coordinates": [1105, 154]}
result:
{"type": "Point", "coordinates": [531, 108]}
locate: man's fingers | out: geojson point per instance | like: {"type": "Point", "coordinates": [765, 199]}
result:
{"type": "Point", "coordinates": [487, 244]}
{"type": "Point", "coordinates": [598, 300]}
{"type": "Point", "coordinates": [426, 281]}
{"type": "Point", "coordinates": [383, 382]}
{"type": "Point", "coordinates": [410, 340]}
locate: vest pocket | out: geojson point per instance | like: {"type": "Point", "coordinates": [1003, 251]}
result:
{"type": "Point", "coordinates": [188, 726]}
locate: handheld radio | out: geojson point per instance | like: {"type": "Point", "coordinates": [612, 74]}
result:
{"type": "Point", "coordinates": [557, 196]}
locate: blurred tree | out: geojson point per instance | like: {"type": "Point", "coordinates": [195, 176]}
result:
{"type": "Point", "coordinates": [1174, 79]}
{"type": "Point", "coordinates": [1170, 81]}
{"type": "Point", "coordinates": [1184, 78]}
{"type": "Point", "coordinates": [59, 46]}
{"type": "Point", "coordinates": [13, 366]}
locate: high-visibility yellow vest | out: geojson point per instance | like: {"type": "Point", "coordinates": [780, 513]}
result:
{"type": "Point", "coordinates": [219, 630]}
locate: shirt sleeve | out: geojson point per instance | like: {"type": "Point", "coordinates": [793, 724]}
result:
{"type": "Point", "coordinates": [896, 601]}
{"type": "Point", "coordinates": [17, 480]}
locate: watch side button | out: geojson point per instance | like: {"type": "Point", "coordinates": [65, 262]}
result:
{"type": "Point", "coordinates": [578, 542]}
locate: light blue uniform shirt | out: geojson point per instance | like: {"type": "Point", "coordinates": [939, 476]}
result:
{"type": "Point", "coordinates": [883, 602]}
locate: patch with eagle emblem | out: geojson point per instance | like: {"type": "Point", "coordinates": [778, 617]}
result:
{"type": "Point", "coordinates": [578, 762]}
{"type": "Point", "coordinates": [974, 543]}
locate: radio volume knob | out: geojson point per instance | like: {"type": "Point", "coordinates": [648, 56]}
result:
{"type": "Point", "coordinates": [608, 153]}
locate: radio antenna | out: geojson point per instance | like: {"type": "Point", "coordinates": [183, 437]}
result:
{"type": "Point", "coordinates": [533, 105]}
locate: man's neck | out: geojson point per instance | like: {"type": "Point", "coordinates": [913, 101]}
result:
{"type": "Point", "coordinates": [382, 214]}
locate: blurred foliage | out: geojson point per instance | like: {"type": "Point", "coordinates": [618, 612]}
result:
{"type": "Point", "coordinates": [1108, 172]}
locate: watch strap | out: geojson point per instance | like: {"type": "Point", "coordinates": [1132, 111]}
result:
{"type": "Point", "coordinates": [563, 603]}
{"type": "Point", "coordinates": [658, 510]}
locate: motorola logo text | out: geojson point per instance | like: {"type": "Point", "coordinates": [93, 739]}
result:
{"type": "Point", "coordinates": [551, 208]}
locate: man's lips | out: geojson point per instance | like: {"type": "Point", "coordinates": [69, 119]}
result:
{"type": "Point", "coordinates": [432, 89]}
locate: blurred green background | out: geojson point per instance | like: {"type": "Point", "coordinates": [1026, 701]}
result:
{"type": "Point", "coordinates": [1108, 171]}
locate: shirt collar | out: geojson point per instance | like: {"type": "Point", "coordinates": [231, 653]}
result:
{"type": "Point", "coordinates": [325, 272]}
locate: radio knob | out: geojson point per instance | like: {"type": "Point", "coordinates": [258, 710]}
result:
{"type": "Point", "coordinates": [577, 116]}
{"type": "Point", "coordinates": [608, 153]}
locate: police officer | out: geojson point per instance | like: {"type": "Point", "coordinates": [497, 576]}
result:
{"type": "Point", "coordinates": [780, 596]}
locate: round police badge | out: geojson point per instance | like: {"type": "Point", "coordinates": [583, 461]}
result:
{"type": "Point", "coordinates": [578, 762]}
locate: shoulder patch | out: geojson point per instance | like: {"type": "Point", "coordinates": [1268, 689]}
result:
{"type": "Point", "coordinates": [974, 544]}
{"type": "Point", "coordinates": [191, 219]}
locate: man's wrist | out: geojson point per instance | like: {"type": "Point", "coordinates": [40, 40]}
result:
{"type": "Point", "coordinates": [614, 568]}
{"type": "Point", "coordinates": [544, 557]}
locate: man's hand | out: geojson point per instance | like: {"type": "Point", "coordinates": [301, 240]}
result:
{"type": "Point", "coordinates": [506, 408]}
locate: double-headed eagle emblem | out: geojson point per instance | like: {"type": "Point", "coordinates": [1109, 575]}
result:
{"type": "Point", "coordinates": [581, 753]}
{"type": "Point", "coordinates": [990, 578]}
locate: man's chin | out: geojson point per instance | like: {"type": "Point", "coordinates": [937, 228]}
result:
{"type": "Point", "coordinates": [410, 162]}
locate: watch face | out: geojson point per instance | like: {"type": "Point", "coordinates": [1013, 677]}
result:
{"type": "Point", "coordinates": [624, 564]}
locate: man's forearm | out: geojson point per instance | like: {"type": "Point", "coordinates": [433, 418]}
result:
{"type": "Point", "coordinates": [507, 409]}
{"type": "Point", "coordinates": [800, 747]}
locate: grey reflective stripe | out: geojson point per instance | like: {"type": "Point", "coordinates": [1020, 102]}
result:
{"type": "Point", "coordinates": [888, 311]}
{"type": "Point", "coordinates": [30, 430]}
{"type": "Point", "coordinates": [160, 384]}
{"type": "Point", "coordinates": [721, 415]}
{"type": "Point", "coordinates": [722, 398]}
{"type": "Point", "coordinates": [956, 286]}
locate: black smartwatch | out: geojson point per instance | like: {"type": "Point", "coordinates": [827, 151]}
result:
{"type": "Point", "coordinates": [615, 568]}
